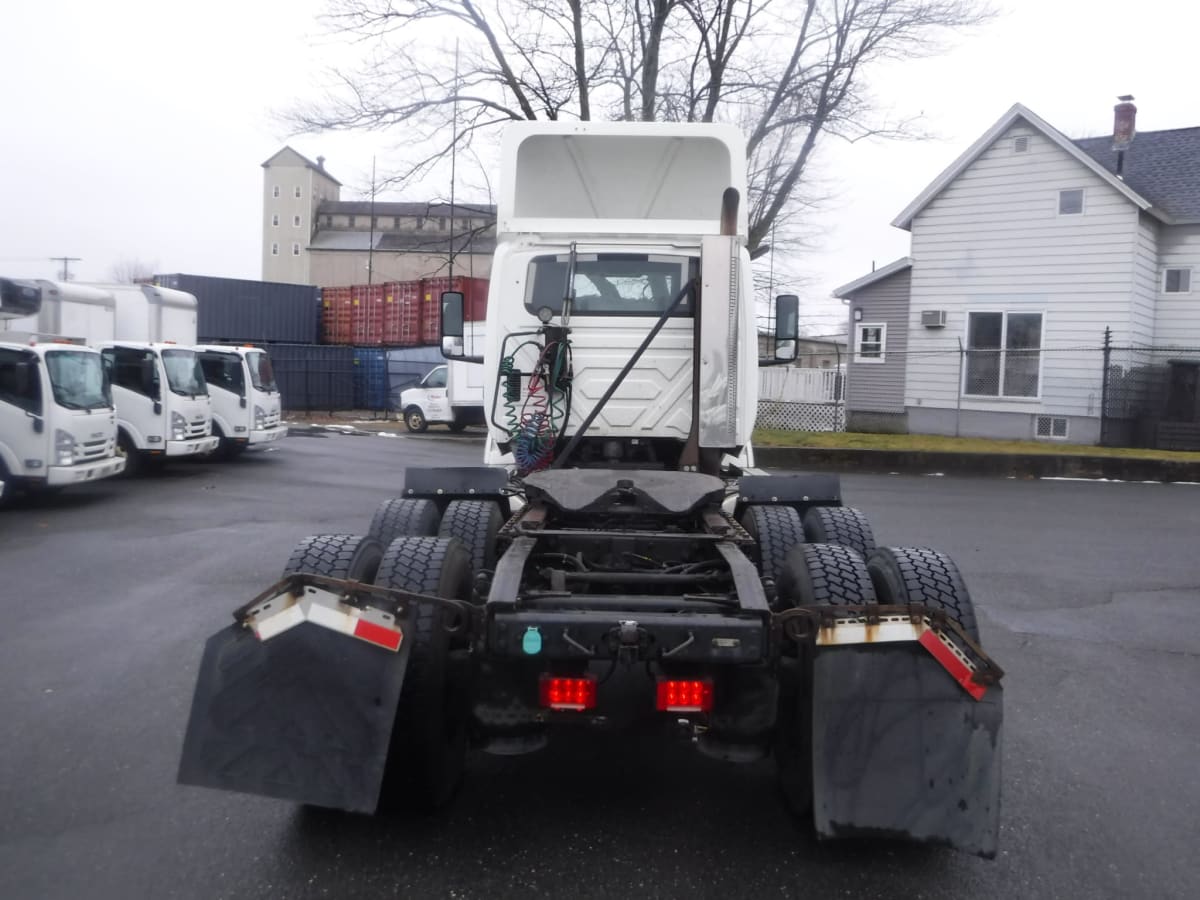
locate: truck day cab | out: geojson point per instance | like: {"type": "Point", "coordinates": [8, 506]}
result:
{"type": "Point", "coordinates": [617, 562]}
{"type": "Point", "coordinates": [57, 422]}
{"type": "Point", "coordinates": [246, 405]}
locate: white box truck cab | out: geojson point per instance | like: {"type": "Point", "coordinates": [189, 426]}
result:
{"type": "Point", "coordinates": [245, 399]}
{"type": "Point", "coordinates": [450, 395]}
{"type": "Point", "coordinates": [57, 422]}
{"type": "Point", "coordinates": [163, 407]}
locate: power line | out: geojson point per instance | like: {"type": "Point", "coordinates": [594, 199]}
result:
{"type": "Point", "coordinates": [66, 264]}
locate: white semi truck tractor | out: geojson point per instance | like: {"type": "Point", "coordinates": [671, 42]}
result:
{"type": "Point", "coordinates": [617, 562]}
{"type": "Point", "coordinates": [57, 422]}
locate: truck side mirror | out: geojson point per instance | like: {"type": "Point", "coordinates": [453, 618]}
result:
{"type": "Point", "coordinates": [785, 341]}
{"type": "Point", "coordinates": [787, 317]}
{"type": "Point", "coordinates": [452, 324]}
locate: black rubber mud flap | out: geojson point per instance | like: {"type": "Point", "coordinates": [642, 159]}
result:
{"type": "Point", "coordinates": [306, 716]}
{"type": "Point", "coordinates": [900, 750]}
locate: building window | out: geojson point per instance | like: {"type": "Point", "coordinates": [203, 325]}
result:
{"type": "Point", "coordinates": [297, 191]}
{"type": "Point", "coordinates": [1053, 428]}
{"type": "Point", "coordinates": [295, 249]}
{"type": "Point", "coordinates": [869, 342]}
{"type": "Point", "coordinates": [275, 191]}
{"type": "Point", "coordinates": [374, 223]}
{"type": "Point", "coordinates": [1177, 281]}
{"type": "Point", "coordinates": [442, 223]}
{"type": "Point", "coordinates": [1004, 357]}
{"type": "Point", "coordinates": [274, 249]}
{"type": "Point", "coordinates": [275, 219]}
{"type": "Point", "coordinates": [397, 222]}
{"type": "Point", "coordinates": [295, 221]}
{"type": "Point", "coordinates": [1021, 144]}
{"type": "Point", "coordinates": [420, 223]}
{"type": "Point", "coordinates": [350, 221]}
{"type": "Point", "coordinates": [329, 221]}
{"type": "Point", "coordinates": [1070, 203]}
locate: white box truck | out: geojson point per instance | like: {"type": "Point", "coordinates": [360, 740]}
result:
{"type": "Point", "coordinates": [144, 335]}
{"type": "Point", "coordinates": [451, 394]}
{"type": "Point", "coordinates": [57, 422]}
{"type": "Point", "coordinates": [246, 407]}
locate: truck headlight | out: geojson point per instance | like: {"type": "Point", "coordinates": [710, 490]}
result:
{"type": "Point", "coordinates": [178, 427]}
{"type": "Point", "coordinates": [260, 417]}
{"type": "Point", "coordinates": [64, 448]}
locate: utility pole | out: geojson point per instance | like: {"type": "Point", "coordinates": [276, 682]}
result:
{"type": "Point", "coordinates": [66, 264]}
{"type": "Point", "coordinates": [371, 240]}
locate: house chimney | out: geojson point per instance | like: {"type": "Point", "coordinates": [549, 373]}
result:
{"type": "Point", "coordinates": [1124, 120]}
{"type": "Point", "coordinates": [321, 159]}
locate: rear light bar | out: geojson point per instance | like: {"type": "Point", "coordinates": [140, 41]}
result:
{"type": "Point", "coordinates": [557, 692]}
{"type": "Point", "coordinates": [684, 695]}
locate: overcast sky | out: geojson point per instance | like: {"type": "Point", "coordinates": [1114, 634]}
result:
{"type": "Point", "coordinates": [136, 130]}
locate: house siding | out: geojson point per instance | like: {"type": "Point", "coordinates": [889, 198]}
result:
{"type": "Point", "coordinates": [993, 240]}
{"type": "Point", "coordinates": [1178, 319]}
{"type": "Point", "coordinates": [1144, 295]}
{"type": "Point", "coordinates": [879, 387]}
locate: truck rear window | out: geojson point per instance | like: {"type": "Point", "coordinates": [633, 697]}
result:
{"type": "Point", "coordinates": [610, 284]}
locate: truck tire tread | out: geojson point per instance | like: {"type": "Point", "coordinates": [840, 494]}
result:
{"type": "Point", "coordinates": [921, 575]}
{"type": "Point", "coordinates": [840, 525]}
{"type": "Point", "coordinates": [825, 575]}
{"type": "Point", "coordinates": [776, 529]}
{"type": "Point", "coordinates": [404, 517]}
{"type": "Point", "coordinates": [475, 523]}
{"type": "Point", "coordinates": [349, 556]}
{"type": "Point", "coordinates": [427, 754]}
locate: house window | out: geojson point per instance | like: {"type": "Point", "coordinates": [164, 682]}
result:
{"type": "Point", "coordinates": [1003, 354]}
{"type": "Point", "coordinates": [297, 191]}
{"type": "Point", "coordinates": [1052, 428]}
{"type": "Point", "coordinates": [1021, 144]}
{"type": "Point", "coordinates": [1177, 281]}
{"type": "Point", "coordinates": [1070, 203]}
{"type": "Point", "coordinates": [296, 221]}
{"type": "Point", "coordinates": [275, 191]}
{"type": "Point", "coordinates": [295, 249]}
{"type": "Point", "coordinates": [275, 219]}
{"type": "Point", "coordinates": [274, 249]}
{"type": "Point", "coordinates": [869, 342]}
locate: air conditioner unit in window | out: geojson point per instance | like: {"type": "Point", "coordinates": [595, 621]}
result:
{"type": "Point", "coordinates": [933, 318]}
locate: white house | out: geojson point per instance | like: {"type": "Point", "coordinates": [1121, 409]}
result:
{"type": "Point", "coordinates": [1024, 251]}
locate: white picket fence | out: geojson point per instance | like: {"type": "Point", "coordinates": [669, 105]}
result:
{"type": "Point", "coordinates": [801, 399]}
{"type": "Point", "coordinates": [793, 384]}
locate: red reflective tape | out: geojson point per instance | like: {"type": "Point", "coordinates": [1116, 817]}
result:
{"type": "Point", "coordinates": [377, 634]}
{"type": "Point", "coordinates": [951, 663]}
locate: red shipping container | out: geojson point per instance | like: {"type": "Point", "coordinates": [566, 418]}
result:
{"type": "Point", "coordinates": [367, 320]}
{"type": "Point", "coordinates": [474, 291]}
{"type": "Point", "coordinates": [336, 315]}
{"type": "Point", "coordinates": [402, 313]}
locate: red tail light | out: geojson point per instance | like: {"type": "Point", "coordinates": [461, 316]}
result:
{"type": "Point", "coordinates": [675, 695]}
{"type": "Point", "coordinates": [567, 693]}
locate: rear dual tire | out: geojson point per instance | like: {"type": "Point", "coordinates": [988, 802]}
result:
{"type": "Point", "coordinates": [427, 752]}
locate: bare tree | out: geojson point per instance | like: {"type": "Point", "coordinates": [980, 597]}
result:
{"type": "Point", "coordinates": [130, 269]}
{"type": "Point", "coordinates": [788, 72]}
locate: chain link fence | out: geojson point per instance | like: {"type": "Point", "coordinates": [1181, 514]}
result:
{"type": "Point", "coordinates": [1152, 397]}
{"type": "Point", "coordinates": [1128, 395]}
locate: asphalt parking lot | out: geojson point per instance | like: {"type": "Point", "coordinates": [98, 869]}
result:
{"type": "Point", "coordinates": [1089, 596]}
